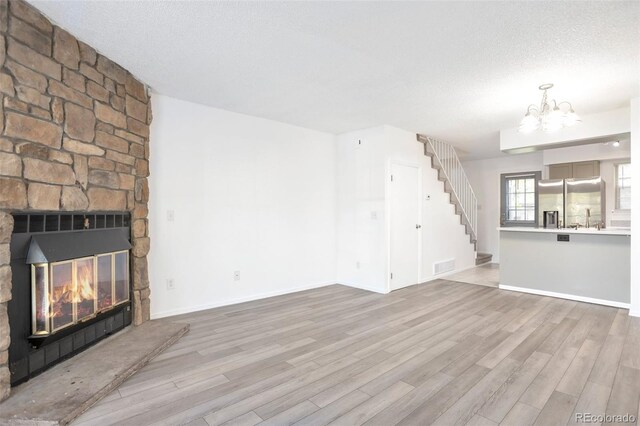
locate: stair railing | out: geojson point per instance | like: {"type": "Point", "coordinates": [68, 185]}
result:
{"type": "Point", "coordinates": [447, 158]}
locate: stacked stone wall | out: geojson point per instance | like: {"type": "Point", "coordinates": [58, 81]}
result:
{"type": "Point", "coordinates": [74, 136]}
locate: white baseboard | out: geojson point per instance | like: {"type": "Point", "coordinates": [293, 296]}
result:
{"type": "Point", "coordinates": [634, 313]}
{"type": "Point", "coordinates": [196, 308]}
{"type": "Point", "coordinates": [569, 297]}
{"type": "Point", "coordinates": [422, 281]}
{"type": "Point", "coordinates": [362, 287]}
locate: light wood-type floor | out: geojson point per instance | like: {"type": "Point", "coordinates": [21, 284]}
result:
{"type": "Point", "coordinates": [444, 353]}
{"type": "Point", "coordinates": [487, 274]}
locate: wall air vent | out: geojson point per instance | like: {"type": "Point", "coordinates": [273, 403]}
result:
{"type": "Point", "coordinates": [444, 266]}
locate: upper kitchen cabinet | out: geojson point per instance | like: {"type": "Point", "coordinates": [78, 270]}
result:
{"type": "Point", "coordinates": [561, 171]}
{"type": "Point", "coordinates": [582, 169]}
{"type": "Point", "coordinates": [586, 169]}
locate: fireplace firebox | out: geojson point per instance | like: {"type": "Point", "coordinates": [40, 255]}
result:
{"type": "Point", "coordinates": [71, 291]}
{"type": "Point", "coordinates": [71, 286]}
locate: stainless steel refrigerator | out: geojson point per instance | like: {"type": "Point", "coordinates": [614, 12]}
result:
{"type": "Point", "coordinates": [585, 202]}
{"type": "Point", "coordinates": [550, 199]}
{"type": "Point", "coordinates": [579, 202]}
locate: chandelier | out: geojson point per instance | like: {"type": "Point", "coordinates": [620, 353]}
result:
{"type": "Point", "coordinates": [547, 117]}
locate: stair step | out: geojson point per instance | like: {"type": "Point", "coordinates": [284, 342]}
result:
{"type": "Point", "coordinates": [483, 258]}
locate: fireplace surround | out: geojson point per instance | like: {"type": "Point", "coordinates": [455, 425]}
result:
{"type": "Point", "coordinates": [71, 285]}
{"type": "Point", "coordinates": [74, 137]}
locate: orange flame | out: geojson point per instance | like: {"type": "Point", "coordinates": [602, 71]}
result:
{"type": "Point", "coordinates": [84, 290]}
{"type": "Point", "coordinates": [68, 293]}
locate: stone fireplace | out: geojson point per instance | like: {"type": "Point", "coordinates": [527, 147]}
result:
{"type": "Point", "coordinates": [74, 138]}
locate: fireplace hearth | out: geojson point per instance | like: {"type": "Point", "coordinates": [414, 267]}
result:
{"type": "Point", "coordinates": [71, 286]}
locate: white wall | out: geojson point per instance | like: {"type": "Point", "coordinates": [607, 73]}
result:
{"type": "Point", "coordinates": [485, 178]}
{"type": "Point", "coordinates": [364, 159]}
{"type": "Point", "coordinates": [635, 209]}
{"type": "Point", "coordinates": [262, 197]}
{"type": "Point", "coordinates": [361, 171]}
{"type": "Point", "coordinates": [249, 195]}
{"type": "Point", "coordinates": [594, 151]}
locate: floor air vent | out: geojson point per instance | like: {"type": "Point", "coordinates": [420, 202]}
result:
{"type": "Point", "coordinates": [444, 266]}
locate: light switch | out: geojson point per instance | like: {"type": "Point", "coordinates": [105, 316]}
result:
{"type": "Point", "coordinates": [170, 215]}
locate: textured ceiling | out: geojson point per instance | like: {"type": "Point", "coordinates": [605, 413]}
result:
{"type": "Point", "coordinates": [459, 71]}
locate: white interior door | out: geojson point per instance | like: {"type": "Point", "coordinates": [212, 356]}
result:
{"type": "Point", "coordinates": [405, 225]}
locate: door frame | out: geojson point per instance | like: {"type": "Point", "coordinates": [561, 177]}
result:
{"type": "Point", "coordinates": [388, 173]}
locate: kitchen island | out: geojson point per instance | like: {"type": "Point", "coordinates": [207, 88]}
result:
{"type": "Point", "coordinates": [587, 265]}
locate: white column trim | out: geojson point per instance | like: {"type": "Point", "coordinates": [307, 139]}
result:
{"type": "Point", "coordinates": [635, 209]}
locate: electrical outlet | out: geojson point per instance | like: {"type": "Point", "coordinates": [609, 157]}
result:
{"type": "Point", "coordinates": [171, 215]}
{"type": "Point", "coordinates": [374, 215]}
{"type": "Point", "coordinates": [171, 284]}
{"type": "Point", "coordinates": [358, 265]}
{"type": "Point", "coordinates": [236, 275]}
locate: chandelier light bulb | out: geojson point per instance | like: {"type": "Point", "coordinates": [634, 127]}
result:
{"type": "Point", "coordinates": [571, 118]}
{"type": "Point", "coordinates": [553, 121]}
{"type": "Point", "coordinates": [529, 123]}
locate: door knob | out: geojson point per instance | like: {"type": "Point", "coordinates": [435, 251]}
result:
{"type": "Point", "coordinates": [418, 226]}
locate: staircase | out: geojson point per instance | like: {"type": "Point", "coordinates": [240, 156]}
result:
{"type": "Point", "coordinates": [482, 258]}
{"type": "Point", "coordinates": [445, 160]}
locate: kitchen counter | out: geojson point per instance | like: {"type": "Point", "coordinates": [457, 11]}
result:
{"type": "Point", "coordinates": [584, 264]}
{"type": "Point", "coordinates": [604, 231]}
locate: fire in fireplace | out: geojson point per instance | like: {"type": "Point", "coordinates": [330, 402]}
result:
{"type": "Point", "coordinates": [69, 292]}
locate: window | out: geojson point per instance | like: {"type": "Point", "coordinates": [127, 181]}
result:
{"type": "Point", "coordinates": [519, 198]}
{"type": "Point", "coordinates": [623, 186]}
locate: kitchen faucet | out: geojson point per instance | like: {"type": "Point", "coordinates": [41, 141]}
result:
{"type": "Point", "coordinates": [588, 219]}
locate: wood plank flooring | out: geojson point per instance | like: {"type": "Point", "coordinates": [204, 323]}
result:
{"type": "Point", "coordinates": [486, 274]}
{"type": "Point", "coordinates": [443, 353]}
